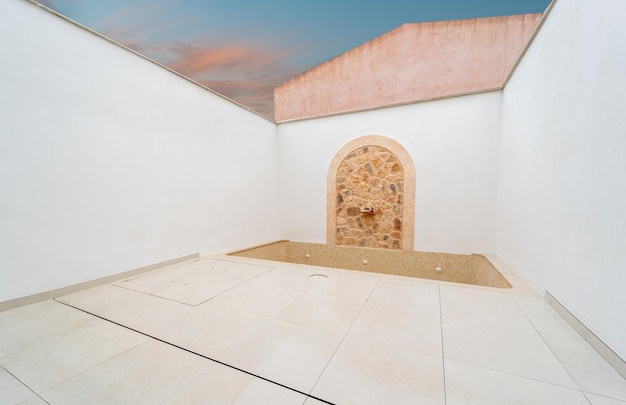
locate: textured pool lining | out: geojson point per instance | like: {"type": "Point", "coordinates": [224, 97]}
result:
{"type": "Point", "coordinates": [458, 268]}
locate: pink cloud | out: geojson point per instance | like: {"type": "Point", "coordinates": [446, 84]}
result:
{"type": "Point", "coordinates": [202, 59]}
{"type": "Point", "coordinates": [242, 72]}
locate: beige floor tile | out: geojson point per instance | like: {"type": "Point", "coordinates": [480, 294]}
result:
{"type": "Point", "coordinates": [468, 385]}
{"type": "Point", "coordinates": [147, 374]}
{"type": "Point", "coordinates": [35, 400]}
{"type": "Point", "coordinates": [223, 277]}
{"type": "Point", "coordinates": [259, 298]}
{"type": "Point", "coordinates": [600, 400]}
{"type": "Point", "coordinates": [12, 390]}
{"type": "Point", "coordinates": [590, 371]}
{"type": "Point", "coordinates": [43, 366]}
{"type": "Point", "coordinates": [499, 309]}
{"type": "Point", "coordinates": [292, 278]}
{"type": "Point", "coordinates": [313, 401]}
{"type": "Point", "coordinates": [29, 311]}
{"type": "Point", "coordinates": [105, 299]}
{"type": "Point", "coordinates": [172, 275]}
{"type": "Point", "coordinates": [290, 354]}
{"type": "Point", "coordinates": [405, 328]}
{"type": "Point", "coordinates": [363, 372]}
{"type": "Point", "coordinates": [323, 311]}
{"type": "Point", "coordinates": [406, 295]}
{"type": "Point", "coordinates": [502, 348]}
{"type": "Point", "coordinates": [199, 290]}
{"type": "Point", "coordinates": [490, 341]}
{"type": "Point", "coordinates": [53, 320]}
{"type": "Point", "coordinates": [345, 286]}
{"type": "Point", "coordinates": [224, 385]}
{"type": "Point", "coordinates": [153, 317]}
{"type": "Point", "coordinates": [215, 330]}
{"type": "Point", "coordinates": [242, 270]}
{"type": "Point", "coordinates": [545, 319]}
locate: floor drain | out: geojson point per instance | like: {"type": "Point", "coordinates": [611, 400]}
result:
{"type": "Point", "coordinates": [318, 277]}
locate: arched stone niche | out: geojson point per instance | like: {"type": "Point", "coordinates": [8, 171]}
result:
{"type": "Point", "coordinates": [371, 172]}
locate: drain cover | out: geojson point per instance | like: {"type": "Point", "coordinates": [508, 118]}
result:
{"type": "Point", "coordinates": [318, 277]}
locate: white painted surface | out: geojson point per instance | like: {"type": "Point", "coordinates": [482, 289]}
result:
{"type": "Point", "coordinates": [109, 162]}
{"type": "Point", "coordinates": [454, 145]}
{"type": "Point", "coordinates": [562, 193]}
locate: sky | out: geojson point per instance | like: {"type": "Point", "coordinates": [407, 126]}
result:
{"type": "Point", "coordinates": [244, 48]}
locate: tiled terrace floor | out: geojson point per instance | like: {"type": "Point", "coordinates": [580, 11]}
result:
{"type": "Point", "coordinates": [183, 335]}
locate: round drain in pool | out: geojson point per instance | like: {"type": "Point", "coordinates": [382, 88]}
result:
{"type": "Point", "coordinates": [318, 277]}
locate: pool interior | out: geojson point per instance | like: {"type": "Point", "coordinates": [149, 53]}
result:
{"type": "Point", "coordinates": [471, 269]}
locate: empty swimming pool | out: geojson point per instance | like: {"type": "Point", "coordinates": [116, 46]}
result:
{"type": "Point", "coordinates": [459, 268]}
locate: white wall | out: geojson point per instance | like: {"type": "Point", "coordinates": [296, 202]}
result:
{"type": "Point", "coordinates": [109, 162]}
{"type": "Point", "coordinates": [454, 144]}
{"type": "Point", "coordinates": [562, 193]}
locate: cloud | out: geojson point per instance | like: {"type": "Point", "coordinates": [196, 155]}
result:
{"type": "Point", "coordinates": [244, 70]}
{"type": "Point", "coordinates": [199, 59]}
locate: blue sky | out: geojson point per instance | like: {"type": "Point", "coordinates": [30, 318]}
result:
{"type": "Point", "coordinates": [244, 48]}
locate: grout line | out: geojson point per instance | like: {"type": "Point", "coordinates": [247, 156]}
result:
{"type": "Point", "coordinates": [22, 382]}
{"type": "Point", "coordinates": [303, 293]}
{"type": "Point", "coordinates": [523, 377]}
{"type": "Point", "coordinates": [151, 295]}
{"type": "Point", "coordinates": [248, 311]}
{"type": "Point", "coordinates": [586, 394]}
{"type": "Point", "coordinates": [345, 335]}
{"type": "Point", "coordinates": [443, 357]}
{"type": "Point", "coordinates": [187, 384]}
{"type": "Point", "coordinates": [95, 365]}
{"type": "Point", "coordinates": [233, 260]}
{"type": "Point", "coordinates": [549, 347]}
{"type": "Point", "coordinates": [587, 398]}
{"type": "Point", "coordinates": [198, 354]}
{"type": "Point", "coordinates": [520, 375]}
{"type": "Point", "coordinates": [155, 295]}
{"type": "Point", "coordinates": [205, 301]}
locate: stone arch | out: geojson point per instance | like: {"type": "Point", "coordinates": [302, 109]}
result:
{"type": "Point", "coordinates": [382, 175]}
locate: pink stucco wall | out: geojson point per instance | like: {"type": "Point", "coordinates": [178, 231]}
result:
{"type": "Point", "coordinates": [413, 62]}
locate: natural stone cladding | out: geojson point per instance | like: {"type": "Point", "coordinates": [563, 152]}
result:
{"type": "Point", "coordinates": [370, 177]}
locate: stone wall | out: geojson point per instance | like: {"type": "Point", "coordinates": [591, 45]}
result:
{"type": "Point", "coordinates": [370, 177]}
